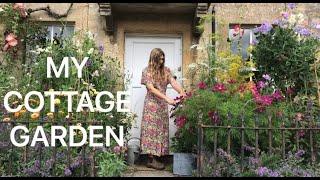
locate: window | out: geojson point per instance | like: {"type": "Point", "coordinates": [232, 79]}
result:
{"type": "Point", "coordinates": [59, 30]}
{"type": "Point", "coordinates": [241, 37]}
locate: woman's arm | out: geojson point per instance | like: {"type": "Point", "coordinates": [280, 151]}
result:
{"type": "Point", "coordinates": [155, 91]}
{"type": "Point", "coordinates": [176, 86]}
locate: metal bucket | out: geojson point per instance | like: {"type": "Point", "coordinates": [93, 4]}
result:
{"type": "Point", "coordinates": [133, 153]}
{"type": "Point", "coordinates": [183, 164]}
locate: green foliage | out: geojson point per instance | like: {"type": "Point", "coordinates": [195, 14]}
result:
{"type": "Point", "coordinates": [110, 165]}
{"type": "Point", "coordinates": [284, 56]}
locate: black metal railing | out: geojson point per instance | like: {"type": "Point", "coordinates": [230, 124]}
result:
{"type": "Point", "coordinates": [313, 127]}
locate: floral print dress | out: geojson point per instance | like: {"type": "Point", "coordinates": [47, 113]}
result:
{"type": "Point", "coordinates": [155, 118]}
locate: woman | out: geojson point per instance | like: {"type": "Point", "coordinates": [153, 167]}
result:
{"type": "Point", "coordinates": [155, 119]}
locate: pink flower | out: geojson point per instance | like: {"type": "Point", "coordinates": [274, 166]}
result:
{"type": "Point", "coordinates": [202, 85]}
{"type": "Point", "coordinates": [11, 41]}
{"type": "Point", "coordinates": [22, 10]}
{"type": "Point", "coordinates": [264, 100]}
{"type": "Point", "coordinates": [219, 87]}
{"type": "Point", "coordinates": [117, 149]}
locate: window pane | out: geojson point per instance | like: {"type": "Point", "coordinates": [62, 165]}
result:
{"type": "Point", "coordinates": [245, 43]}
{"type": "Point", "coordinates": [247, 38]}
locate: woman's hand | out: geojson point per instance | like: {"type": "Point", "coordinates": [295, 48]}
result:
{"type": "Point", "coordinates": [171, 101]}
{"type": "Point", "coordinates": [183, 94]}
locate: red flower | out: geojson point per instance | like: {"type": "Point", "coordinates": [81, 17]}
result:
{"type": "Point", "coordinates": [301, 133]}
{"type": "Point", "coordinates": [242, 88]}
{"type": "Point", "coordinates": [289, 91]}
{"type": "Point", "coordinates": [277, 95]}
{"type": "Point", "coordinates": [214, 116]}
{"type": "Point", "coordinates": [202, 85]}
{"type": "Point", "coordinates": [11, 41]}
{"type": "Point", "coordinates": [219, 87]}
{"type": "Point", "coordinates": [181, 121]}
{"type": "Point", "coordinates": [232, 81]}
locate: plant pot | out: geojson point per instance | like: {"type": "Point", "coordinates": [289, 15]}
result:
{"type": "Point", "coordinates": [183, 164]}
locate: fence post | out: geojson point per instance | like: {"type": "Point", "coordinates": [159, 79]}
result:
{"type": "Point", "coordinates": [200, 144]}
{"type": "Point", "coordinates": [242, 141]}
{"type": "Point", "coordinates": [229, 116]}
{"type": "Point", "coordinates": [311, 125]}
{"type": "Point", "coordinates": [270, 133]}
{"type": "Point", "coordinates": [283, 139]}
{"type": "Point", "coordinates": [256, 136]}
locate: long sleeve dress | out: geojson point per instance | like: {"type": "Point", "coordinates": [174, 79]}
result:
{"type": "Point", "coordinates": [154, 137]}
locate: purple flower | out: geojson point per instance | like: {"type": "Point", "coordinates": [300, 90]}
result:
{"type": "Point", "coordinates": [303, 31]}
{"type": "Point", "coordinates": [67, 172]}
{"type": "Point", "coordinates": [261, 84]}
{"type": "Point", "coordinates": [299, 154]}
{"type": "Point", "coordinates": [266, 77]}
{"type": "Point", "coordinates": [101, 48]}
{"type": "Point", "coordinates": [253, 161]}
{"type": "Point", "coordinates": [273, 173]}
{"type": "Point", "coordinates": [264, 28]}
{"type": "Point", "coordinates": [291, 5]}
{"type": "Point", "coordinates": [88, 63]}
{"type": "Point", "coordinates": [262, 171]}
{"type": "Point", "coordinates": [285, 15]}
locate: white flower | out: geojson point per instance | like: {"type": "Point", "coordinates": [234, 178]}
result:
{"type": "Point", "coordinates": [36, 64]}
{"type": "Point", "coordinates": [292, 19]}
{"type": "Point", "coordinates": [48, 49]}
{"type": "Point", "coordinates": [193, 46]}
{"type": "Point", "coordinates": [39, 50]}
{"type": "Point", "coordinates": [89, 34]}
{"type": "Point", "coordinates": [203, 64]}
{"type": "Point", "coordinates": [300, 17]}
{"type": "Point", "coordinates": [95, 73]}
{"type": "Point", "coordinates": [90, 51]}
{"type": "Point", "coordinates": [192, 65]}
{"type": "Point", "coordinates": [78, 44]}
{"type": "Point", "coordinates": [11, 77]}
{"type": "Point", "coordinates": [79, 51]}
{"type": "Point", "coordinates": [1, 10]}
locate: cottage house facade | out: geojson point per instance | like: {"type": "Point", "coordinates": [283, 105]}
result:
{"type": "Point", "coordinates": [128, 32]}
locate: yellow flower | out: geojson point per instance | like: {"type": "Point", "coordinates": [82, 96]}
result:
{"type": "Point", "coordinates": [50, 115]}
{"type": "Point", "coordinates": [33, 101]}
{"type": "Point", "coordinates": [35, 116]}
{"type": "Point", "coordinates": [85, 83]}
{"type": "Point", "coordinates": [7, 119]}
{"type": "Point", "coordinates": [57, 101]}
{"type": "Point", "coordinates": [23, 110]}
{"type": "Point", "coordinates": [16, 114]}
{"type": "Point", "coordinates": [61, 113]}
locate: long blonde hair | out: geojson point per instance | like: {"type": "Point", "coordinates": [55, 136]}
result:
{"type": "Point", "coordinates": [155, 67]}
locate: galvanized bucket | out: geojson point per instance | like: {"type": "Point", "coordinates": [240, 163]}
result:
{"type": "Point", "coordinates": [133, 153]}
{"type": "Point", "coordinates": [183, 164]}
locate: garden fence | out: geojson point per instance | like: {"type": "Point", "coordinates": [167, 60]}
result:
{"type": "Point", "coordinates": [313, 127]}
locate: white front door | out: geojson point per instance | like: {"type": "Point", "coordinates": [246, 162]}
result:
{"type": "Point", "coordinates": [137, 53]}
